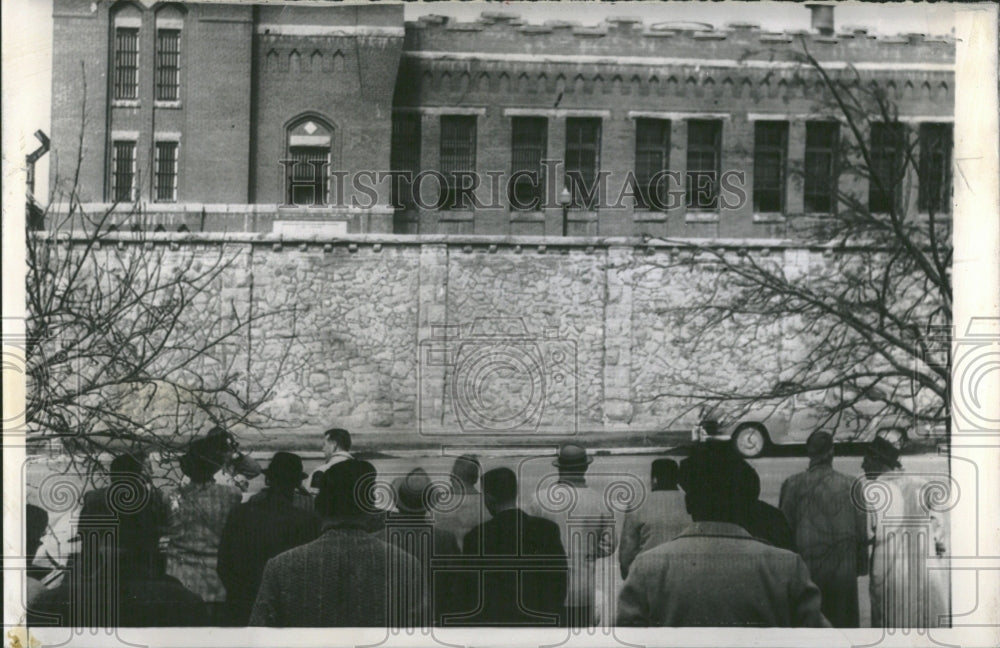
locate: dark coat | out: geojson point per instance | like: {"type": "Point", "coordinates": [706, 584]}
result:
{"type": "Point", "coordinates": [514, 547]}
{"type": "Point", "coordinates": [768, 523]}
{"type": "Point", "coordinates": [255, 532]}
{"type": "Point", "coordinates": [144, 599]}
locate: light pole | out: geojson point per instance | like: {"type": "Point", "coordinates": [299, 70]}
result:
{"type": "Point", "coordinates": [565, 198]}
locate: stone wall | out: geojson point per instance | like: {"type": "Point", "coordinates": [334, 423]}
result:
{"type": "Point", "coordinates": [471, 337]}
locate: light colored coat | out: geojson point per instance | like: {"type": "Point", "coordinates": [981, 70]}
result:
{"type": "Point", "coordinates": [660, 518]}
{"type": "Point", "coordinates": [717, 574]}
{"type": "Point", "coordinates": [587, 531]}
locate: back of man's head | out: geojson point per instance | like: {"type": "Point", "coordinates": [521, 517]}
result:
{"type": "Point", "coordinates": [347, 489]}
{"type": "Point", "coordinates": [500, 486]}
{"type": "Point", "coordinates": [719, 485]}
{"type": "Point", "coordinates": [127, 464]}
{"type": "Point", "coordinates": [664, 474]}
{"type": "Point", "coordinates": [466, 470]}
{"type": "Point", "coordinates": [339, 436]}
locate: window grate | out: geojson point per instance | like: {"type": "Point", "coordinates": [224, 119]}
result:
{"type": "Point", "coordinates": [123, 171]}
{"type": "Point", "coordinates": [308, 174]}
{"type": "Point", "coordinates": [168, 64]}
{"type": "Point", "coordinates": [166, 172]}
{"type": "Point", "coordinates": [885, 173]}
{"type": "Point", "coordinates": [820, 167]}
{"type": "Point", "coordinates": [769, 155]}
{"type": "Point", "coordinates": [934, 189]}
{"type": "Point", "coordinates": [583, 153]}
{"type": "Point", "coordinates": [529, 142]}
{"type": "Point", "coordinates": [458, 155]}
{"type": "Point", "coordinates": [703, 161]}
{"type": "Point", "coordinates": [126, 63]}
{"type": "Point", "coordinates": [652, 156]}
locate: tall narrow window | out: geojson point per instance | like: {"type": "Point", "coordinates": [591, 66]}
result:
{"type": "Point", "coordinates": [126, 76]}
{"type": "Point", "coordinates": [166, 172]}
{"type": "Point", "coordinates": [168, 64]}
{"type": "Point", "coordinates": [458, 156]}
{"type": "Point", "coordinates": [703, 161]}
{"type": "Point", "coordinates": [583, 155]}
{"type": "Point", "coordinates": [886, 172]}
{"type": "Point", "coordinates": [934, 195]}
{"type": "Point", "coordinates": [529, 141]}
{"type": "Point", "coordinates": [404, 157]}
{"type": "Point", "coordinates": [307, 167]}
{"type": "Point", "coordinates": [652, 156]}
{"type": "Point", "coordinates": [769, 153]}
{"type": "Point", "coordinates": [820, 167]}
{"type": "Point", "coordinates": [123, 171]}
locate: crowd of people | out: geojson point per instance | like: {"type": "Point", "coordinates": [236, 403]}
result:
{"type": "Point", "coordinates": [338, 548]}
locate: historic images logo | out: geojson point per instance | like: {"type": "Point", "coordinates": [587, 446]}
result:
{"type": "Point", "coordinates": [496, 378]}
{"type": "Point", "coordinates": [313, 184]}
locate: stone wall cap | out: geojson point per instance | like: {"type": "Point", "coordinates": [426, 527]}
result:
{"type": "Point", "coordinates": [709, 35]}
{"type": "Point", "coordinates": [499, 15]}
{"type": "Point", "coordinates": [562, 24]}
{"type": "Point", "coordinates": [590, 31]}
{"type": "Point", "coordinates": [464, 26]}
{"type": "Point", "coordinates": [433, 19]}
{"type": "Point", "coordinates": [742, 26]}
{"type": "Point", "coordinates": [535, 29]}
{"type": "Point", "coordinates": [775, 37]}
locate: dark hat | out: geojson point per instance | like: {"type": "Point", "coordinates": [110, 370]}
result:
{"type": "Point", "coordinates": [202, 459]}
{"type": "Point", "coordinates": [884, 452]}
{"type": "Point", "coordinates": [285, 467]}
{"type": "Point", "coordinates": [572, 456]}
{"type": "Point", "coordinates": [411, 496]}
{"type": "Point", "coordinates": [819, 443]}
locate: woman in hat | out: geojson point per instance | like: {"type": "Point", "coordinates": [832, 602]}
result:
{"type": "Point", "coordinates": [199, 510]}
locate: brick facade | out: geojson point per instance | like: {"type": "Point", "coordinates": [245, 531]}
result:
{"type": "Point", "coordinates": [250, 73]}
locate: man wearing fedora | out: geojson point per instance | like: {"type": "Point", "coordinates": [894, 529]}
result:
{"type": "Point", "coordinates": [259, 530]}
{"type": "Point", "coordinates": [412, 529]}
{"type": "Point", "coordinates": [586, 529]}
{"type": "Point", "coordinates": [908, 577]}
{"type": "Point", "coordinates": [830, 530]}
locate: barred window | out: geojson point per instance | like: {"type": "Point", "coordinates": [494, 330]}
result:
{"type": "Point", "coordinates": [458, 155]}
{"type": "Point", "coordinates": [307, 165]}
{"type": "Point", "coordinates": [934, 193]}
{"type": "Point", "coordinates": [126, 63]}
{"type": "Point", "coordinates": [769, 154]}
{"type": "Point", "coordinates": [166, 172]}
{"type": "Point", "coordinates": [652, 155]}
{"type": "Point", "coordinates": [405, 156]}
{"type": "Point", "coordinates": [123, 171]}
{"type": "Point", "coordinates": [309, 170]}
{"type": "Point", "coordinates": [168, 64]}
{"type": "Point", "coordinates": [583, 155]}
{"type": "Point", "coordinates": [886, 171]}
{"type": "Point", "coordinates": [703, 162]}
{"type": "Point", "coordinates": [529, 141]}
{"type": "Point", "coordinates": [820, 167]}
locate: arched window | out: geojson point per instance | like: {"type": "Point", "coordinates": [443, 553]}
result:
{"type": "Point", "coordinates": [310, 141]}
{"type": "Point", "coordinates": [125, 24]}
{"type": "Point", "coordinates": [169, 23]}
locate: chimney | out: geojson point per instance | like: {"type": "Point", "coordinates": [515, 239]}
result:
{"type": "Point", "coordinates": [822, 18]}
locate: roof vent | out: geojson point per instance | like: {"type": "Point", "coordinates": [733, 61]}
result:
{"type": "Point", "coordinates": [822, 18]}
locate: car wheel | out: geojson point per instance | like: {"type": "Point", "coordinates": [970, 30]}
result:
{"type": "Point", "coordinates": [750, 440]}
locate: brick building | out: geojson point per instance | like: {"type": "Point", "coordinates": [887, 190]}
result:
{"type": "Point", "coordinates": [218, 117]}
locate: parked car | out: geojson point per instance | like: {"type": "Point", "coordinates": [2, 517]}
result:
{"type": "Point", "coordinates": [792, 419]}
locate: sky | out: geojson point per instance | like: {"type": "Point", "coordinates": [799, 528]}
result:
{"type": "Point", "coordinates": [27, 42]}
